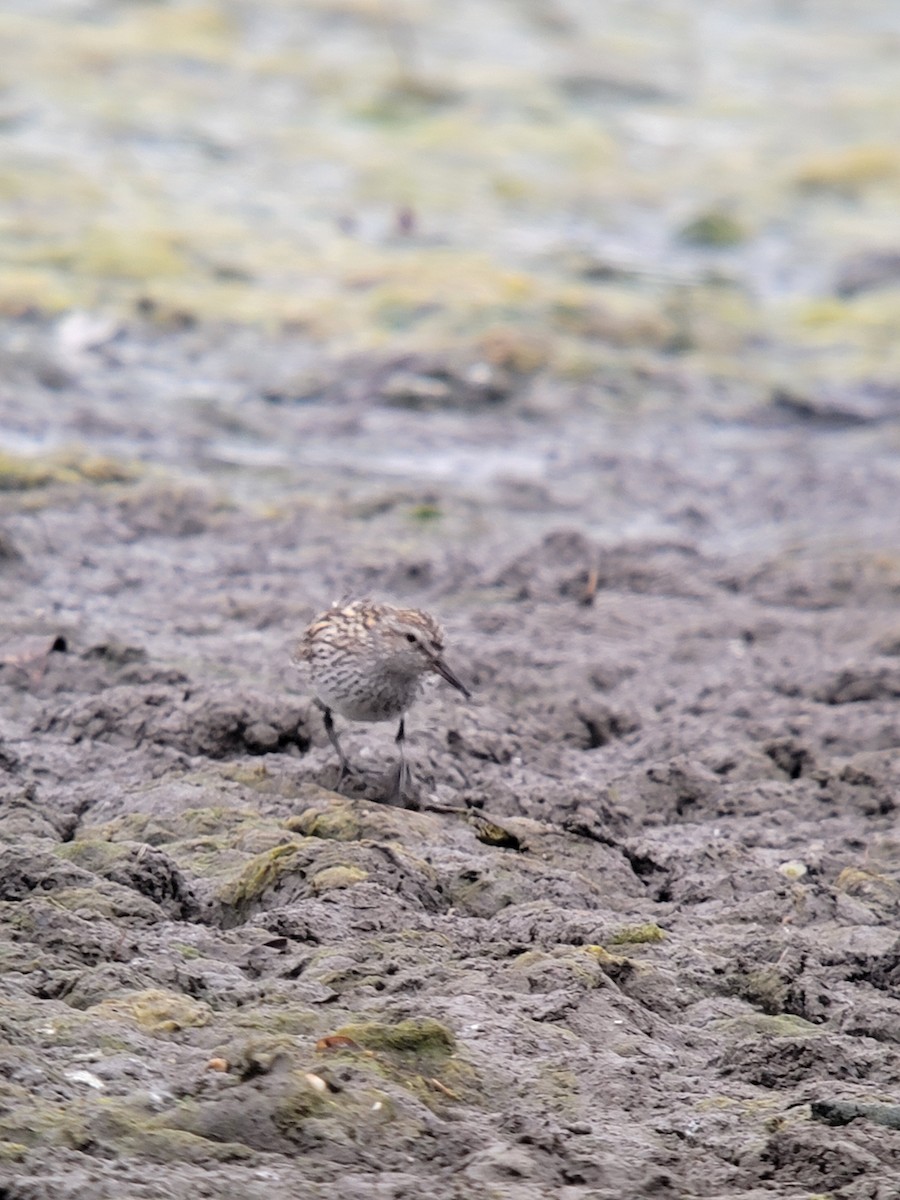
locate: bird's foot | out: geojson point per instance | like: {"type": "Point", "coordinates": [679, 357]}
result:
{"type": "Point", "coordinates": [400, 792]}
{"type": "Point", "coordinates": [346, 775]}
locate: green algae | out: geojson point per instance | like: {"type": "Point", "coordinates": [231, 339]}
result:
{"type": "Point", "coordinates": [418, 1041]}
{"type": "Point", "coordinates": [23, 1025]}
{"type": "Point", "coordinates": [586, 965]}
{"type": "Point", "coordinates": [112, 901]}
{"type": "Point", "coordinates": [131, 1130]}
{"type": "Point", "coordinates": [118, 1126]}
{"type": "Point", "coordinates": [559, 1088]}
{"type": "Point", "coordinates": [615, 316]}
{"type": "Point", "coordinates": [639, 934]}
{"type": "Point", "coordinates": [419, 1054]}
{"type": "Point", "coordinates": [254, 775]}
{"type": "Point", "coordinates": [336, 877]}
{"type": "Point", "coordinates": [767, 1026]}
{"type": "Point", "coordinates": [280, 1015]}
{"type": "Point", "coordinates": [214, 843]}
{"type": "Point", "coordinates": [17, 473]}
{"type": "Point", "coordinates": [304, 1112]}
{"type": "Point", "coordinates": [260, 874]}
{"type": "Point", "coordinates": [261, 1055]}
{"type": "Point", "coordinates": [426, 512]}
{"type": "Point", "coordinates": [127, 254]}
{"type": "Point", "coordinates": [338, 822]}
{"type": "Point", "coordinates": [849, 169]}
{"type": "Point", "coordinates": [187, 952]}
{"type": "Point", "coordinates": [34, 1122]}
{"type": "Point", "coordinates": [246, 855]}
{"type": "Point", "coordinates": [155, 1010]}
{"type": "Point", "coordinates": [191, 823]}
{"type": "Point", "coordinates": [299, 1105]}
{"type": "Point", "coordinates": [452, 162]}
{"type": "Point", "coordinates": [763, 988]}
{"type": "Point", "coordinates": [581, 967]}
{"type": "Point", "coordinates": [714, 229]}
{"type": "Point", "coordinates": [96, 855]}
{"type": "Point", "coordinates": [20, 473]}
{"type": "Point", "coordinates": [164, 1145]}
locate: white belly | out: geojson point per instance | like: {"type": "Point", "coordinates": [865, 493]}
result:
{"type": "Point", "coordinates": [383, 701]}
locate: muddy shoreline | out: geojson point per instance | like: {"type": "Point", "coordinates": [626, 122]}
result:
{"type": "Point", "coordinates": [667, 925]}
{"type": "Point", "coordinates": [578, 330]}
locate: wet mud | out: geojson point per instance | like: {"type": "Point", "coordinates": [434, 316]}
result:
{"type": "Point", "coordinates": [639, 936]}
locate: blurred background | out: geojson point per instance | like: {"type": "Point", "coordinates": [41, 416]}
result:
{"type": "Point", "coordinates": [543, 184]}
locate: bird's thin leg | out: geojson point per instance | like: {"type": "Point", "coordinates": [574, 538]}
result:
{"type": "Point", "coordinates": [333, 738]}
{"type": "Point", "coordinates": [401, 779]}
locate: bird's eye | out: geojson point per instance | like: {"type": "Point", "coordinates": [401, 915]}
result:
{"type": "Point", "coordinates": [411, 638]}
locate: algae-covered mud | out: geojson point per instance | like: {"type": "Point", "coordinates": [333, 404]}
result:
{"type": "Point", "coordinates": [549, 321]}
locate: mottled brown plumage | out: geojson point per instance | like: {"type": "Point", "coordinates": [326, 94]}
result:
{"type": "Point", "coordinates": [366, 661]}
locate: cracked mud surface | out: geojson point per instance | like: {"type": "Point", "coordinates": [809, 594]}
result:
{"type": "Point", "coordinates": [667, 923]}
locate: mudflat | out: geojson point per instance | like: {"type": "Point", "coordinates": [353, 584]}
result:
{"type": "Point", "coordinates": [581, 336]}
{"type": "Point", "coordinates": [645, 914]}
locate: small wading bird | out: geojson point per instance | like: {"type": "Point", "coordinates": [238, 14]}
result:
{"type": "Point", "coordinates": [365, 661]}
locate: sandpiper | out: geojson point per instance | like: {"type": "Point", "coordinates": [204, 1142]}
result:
{"type": "Point", "coordinates": [365, 661]}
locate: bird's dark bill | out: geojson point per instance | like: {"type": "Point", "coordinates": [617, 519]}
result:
{"type": "Point", "coordinates": [442, 669]}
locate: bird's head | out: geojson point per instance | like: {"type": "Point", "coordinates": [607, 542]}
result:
{"type": "Point", "coordinates": [417, 645]}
